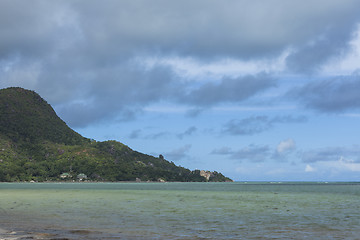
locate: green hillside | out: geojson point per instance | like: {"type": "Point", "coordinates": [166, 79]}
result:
{"type": "Point", "coordinates": [35, 144]}
{"type": "Point", "coordinates": [26, 117]}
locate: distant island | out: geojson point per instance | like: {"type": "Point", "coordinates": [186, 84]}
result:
{"type": "Point", "coordinates": [36, 145]}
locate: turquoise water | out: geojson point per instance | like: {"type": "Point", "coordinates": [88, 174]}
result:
{"type": "Point", "coordinates": [179, 210]}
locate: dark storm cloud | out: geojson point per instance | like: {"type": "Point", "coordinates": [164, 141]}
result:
{"type": "Point", "coordinates": [331, 154]}
{"type": "Point", "coordinates": [251, 153]}
{"type": "Point", "coordinates": [79, 55]}
{"type": "Point", "coordinates": [331, 95]}
{"type": "Point", "coordinates": [257, 124]}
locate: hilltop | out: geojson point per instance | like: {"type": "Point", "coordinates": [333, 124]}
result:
{"type": "Point", "coordinates": [36, 145]}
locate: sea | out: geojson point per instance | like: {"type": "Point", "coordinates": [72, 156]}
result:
{"type": "Point", "coordinates": [236, 210]}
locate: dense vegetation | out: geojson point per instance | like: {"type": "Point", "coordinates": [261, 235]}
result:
{"type": "Point", "coordinates": [35, 144]}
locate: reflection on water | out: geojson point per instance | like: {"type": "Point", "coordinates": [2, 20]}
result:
{"type": "Point", "coordinates": [180, 211]}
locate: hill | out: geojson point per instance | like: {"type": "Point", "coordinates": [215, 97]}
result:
{"type": "Point", "coordinates": [35, 144]}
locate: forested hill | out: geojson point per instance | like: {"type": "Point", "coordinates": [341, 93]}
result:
{"type": "Point", "coordinates": [36, 145]}
{"type": "Point", "coordinates": [27, 118]}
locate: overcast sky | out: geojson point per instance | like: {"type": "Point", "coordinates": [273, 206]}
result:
{"type": "Point", "coordinates": [258, 90]}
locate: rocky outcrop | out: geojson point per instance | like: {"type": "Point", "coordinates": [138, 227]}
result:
{"type": "Point", "coordinates": [206, 174]}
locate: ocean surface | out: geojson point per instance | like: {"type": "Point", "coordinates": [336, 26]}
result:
{"type": "Point", "coordinates": [239, 210]}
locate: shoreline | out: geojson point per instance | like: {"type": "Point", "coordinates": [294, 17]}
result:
{"type": "Point", "coordinates": [63, 234]}
{"type": "Point", "coordinates": [57, 234]}
{"type": "Point", "coordinates": [14, 235]}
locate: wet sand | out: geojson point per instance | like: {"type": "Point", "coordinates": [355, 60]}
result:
{"type": "Point", "coordinates": [24, 235]}
{"type": "Point", "coordinates": [13, 235]}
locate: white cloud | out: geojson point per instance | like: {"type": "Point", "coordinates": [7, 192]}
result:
{"type": "Point", "coordinates": [309, 168]}
{"type": "Point", "coordinates": [349, 62]}
{"type": "Point", "coordinates": [286, 146]}
{"type": "Point", "coordinates": [331, 154]}
{"type": "Point", "coordinates": [194, 69]}
{"type": "Point", "coordinates": [334, 169]}
{"type": "Point", "coordinates": [346, 165]}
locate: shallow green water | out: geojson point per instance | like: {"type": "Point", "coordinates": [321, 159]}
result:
{"type": "Point", "coordinates": [181, 210]}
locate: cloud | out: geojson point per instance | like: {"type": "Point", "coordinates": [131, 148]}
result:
{"type": "Point", "coordinates": [286, 146]}
{"type": "Point", "coordinates": [332, 42]}
{"type": "Point", "coordinates": [247, 126]}
{"type": "Point", "coordinates": [257, 153]}
{"type": "Point", "coordinates": [158, 135]}
{"type": "Point", "coordinates": [178, 153]}
{"type": "Point", "coordinates": [338, 168]}
{"type": "Point", "coordinates": [219, 68]}
{"type": "Point", "coordinates": [240, 29]}
{"type": "Point", "coordinates": [229, 90]}
{"type": "Point", "coordinates": [222, 151]}
{"type": "Point", "coordinates": [284, 149]}
{"type": "Point", "coordinates": [190, 131]}
{"type": "Point", "coordinates": [138, 133]}
{"type": "Point", "coordinates": [311, 56]}
{"type": "Point", "coordinates": [347, 63]}
{"type": "Point", "coordinates": [257, 124]}
{"type": "Point", "coordinates": [251, 153]}
{"type": "Point", "coordinates": [331, 154]}
{"type": "Point", "coordinates": [308, 168]}
{"type": "Point", "coordinates": [135, 134]}
{"type": "Point", "coordinates": [110, 95]}
{"type": "Point", "coordinates": [348, 164]}
{"type": "Point", "coordinates": [36, 29]}
{"type": "Point", "coordinates": [331, 95]}
{"type": "Point", "coordinates": [81, 55]}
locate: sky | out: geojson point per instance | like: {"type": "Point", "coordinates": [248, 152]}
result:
{"type": "Point", "coordinates": [260, 90]}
